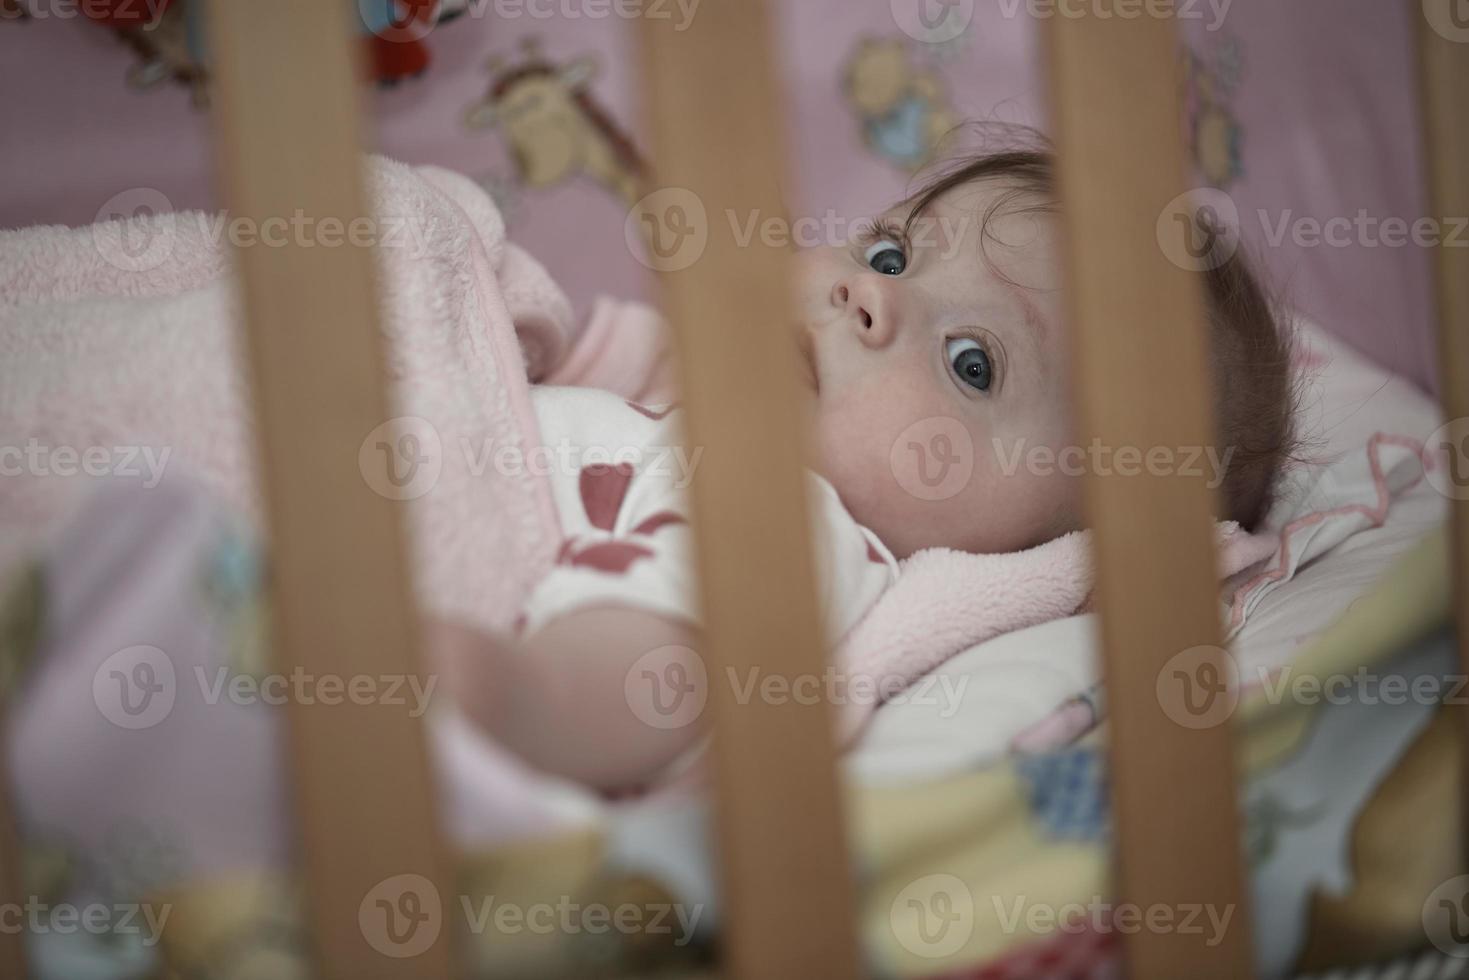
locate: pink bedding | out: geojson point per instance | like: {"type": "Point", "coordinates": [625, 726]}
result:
{"type": "Point", "coordinates": [118, 346]}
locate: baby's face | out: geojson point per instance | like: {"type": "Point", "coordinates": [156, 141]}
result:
{"type": "Point", "coordinates": [938, 370]}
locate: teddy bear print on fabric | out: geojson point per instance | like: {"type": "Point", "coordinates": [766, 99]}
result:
{"type": "Point", "coordinates": [901, 104]}
{"type": "Point", "coordinates": [553, 126]}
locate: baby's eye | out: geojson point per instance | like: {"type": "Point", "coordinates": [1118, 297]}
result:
{"type": "Point", "coordinates": [970, 362]}
{"type": "Point", "coordinates": [886, 256]}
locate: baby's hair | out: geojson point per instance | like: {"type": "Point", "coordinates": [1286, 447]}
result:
{"type": "Point", "coordinates": [1255, 388]}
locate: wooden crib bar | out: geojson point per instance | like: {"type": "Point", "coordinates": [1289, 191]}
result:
{"type": "Point", "coordinates": [289, 130]}
{"type": "Point", "coordinates": [1140, 356]}
{"type": "Point", "coordinates": [1444, 73]}
{"type": "Point", "coordinates": [718, 134]}
{"type": "Point", "coordinates": [13, 962]}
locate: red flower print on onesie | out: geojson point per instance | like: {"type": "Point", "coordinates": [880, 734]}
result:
{"type": "Point", "coordinates": [603, 488]}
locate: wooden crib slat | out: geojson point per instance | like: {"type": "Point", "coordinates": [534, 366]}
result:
{"type": "Point", "coordinates": [1139, 347]}
{"type": "Point", "coordinates": [718, 133]}
{"type": "Point", "coordinates": [289, 133]}
{"type": "Point", "coordinates": [1444, 73]}
{"type": "Point", "coordinates": [13, 959]}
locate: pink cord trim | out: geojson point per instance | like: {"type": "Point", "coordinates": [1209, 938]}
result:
{"type": "Point", "coordinates": [1376, 514]}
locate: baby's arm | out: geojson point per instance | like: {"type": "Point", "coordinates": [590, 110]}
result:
{"type": "Point", "coordinates": [558, 697]}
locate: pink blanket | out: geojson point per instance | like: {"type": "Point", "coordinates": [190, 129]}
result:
{"type": "Point", "coordinates": [118, 358]}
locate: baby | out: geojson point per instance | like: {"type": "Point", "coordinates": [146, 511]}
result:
{"type": "Point", "coordinates": [948, 307]}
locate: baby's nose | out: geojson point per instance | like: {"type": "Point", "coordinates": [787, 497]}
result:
{"type": "Point", "coordinates": [871, 307]}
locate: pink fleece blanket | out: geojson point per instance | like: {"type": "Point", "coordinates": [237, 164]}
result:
{"type": "Point", "coordinates": [118, 358]}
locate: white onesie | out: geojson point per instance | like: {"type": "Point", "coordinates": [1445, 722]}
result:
{"type": "Point", "coordinates": [619, 475]}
